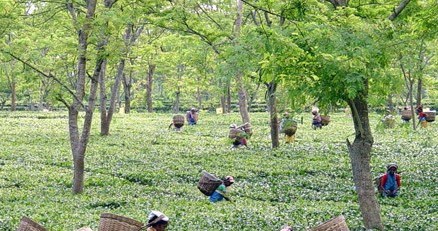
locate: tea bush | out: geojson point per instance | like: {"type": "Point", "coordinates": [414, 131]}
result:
{"type": "Point", "coordinates": [143, 166]}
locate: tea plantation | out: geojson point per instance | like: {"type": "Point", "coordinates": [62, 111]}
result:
{"type": "Point", "coordinates": [143, 166]}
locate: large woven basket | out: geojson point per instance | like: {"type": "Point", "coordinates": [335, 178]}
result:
{"type": "Point", "coordinates": [112, 222]}
{"type": "Point", "coordinates": [336, 224]}
{"type": "Point", "coordinates": [247, 128]}
{"type": "Point", "coordinates": [290, 131]}
{"type": "Point", "coordinates": [26, 224]}
{"type": "Point", "coordinates": [236, 133]}
{"type": "Point", "coordinates": [208, 183]}
{"type": "Point", "coordinates": [430, 116]}
{"type": "Point", "coordinates": [406, 114]}
{"type": "Point", "coordinates": [178, 120]}
{"type": "Point", "coordinates": [325, 120]}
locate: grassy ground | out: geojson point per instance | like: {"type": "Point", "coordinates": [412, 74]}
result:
{"type": "Point", "coordinates": [143, 166]}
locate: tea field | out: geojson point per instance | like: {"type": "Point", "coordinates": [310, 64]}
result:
{"type": "Point", "coordinates": [143, 166]}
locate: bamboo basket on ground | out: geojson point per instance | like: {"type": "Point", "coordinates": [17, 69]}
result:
{"type": "Point", "coordinates": [325, 120]}
{"type": "Point", "coordinates": [335, 224]}
{"type": "Point", "coordinates": [430, 116]}
{"type": "Point", "coordinates": [26, 224]}
{"type": "Point", "coordinates": [178, 121]}
{"type": "Point", "coordinates": [208, 183]}
{"type": "Point", "coordinates": [290, 131]}
{"type": "Point", "coordinates": [406, 115]}
{"type": "Point", "coordinates": [112, 222]}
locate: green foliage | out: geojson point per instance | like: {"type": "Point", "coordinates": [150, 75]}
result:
{"type": "Point", "coordinates": [143, 166]}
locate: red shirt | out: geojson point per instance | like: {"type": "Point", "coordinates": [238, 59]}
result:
{"type": "Point", "coordinates": [384, 178]}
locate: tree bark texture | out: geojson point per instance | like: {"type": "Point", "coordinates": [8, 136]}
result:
{"type": "Point", "coordinates": [360, 155]}
{"type": "Point", "coordinates": [78, 146]}
{"type": "Point", "coordinates": [272, 101]}
{"type": "Point", "coordinates": [127, 85]}
{"type": "Point", "coordinates": [243, 101]}
{"type": "Point", "coordinates": [103, 98]}
{"type": "Point", "coordinates": [228, 105]}
{"type": "Point", "coordinates": [13, 96]}
{"type": "Point", "coordinates": [419, 91]}
{"type": "Point", "coordinates": [150, 79]}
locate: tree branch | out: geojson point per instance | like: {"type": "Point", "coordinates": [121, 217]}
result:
{"type": "Point", "coordinates": [398, 9]}
{"type": "Point", "coordinates": [49, 76]}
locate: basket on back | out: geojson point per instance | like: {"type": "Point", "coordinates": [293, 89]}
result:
{"type": "Point", "coordinates": [406, 114]}
{"type": "Point", "coordinates": [430, 116]}
{"type": "Point", "coordinates": [236, 133]}
{"type": "Point", "coordinates": [289, 127]}
{"type": "Point", "coordinates": [247, 128]}
{"type": "Point", "coordinates": [178, 120]}
{"type": "Point", "coordinates": [336, 224]}
{"type": "Point", "coordinates": [325, 120]}
{"type": "Point", "coordinates": [26, 224]}
{"type": "Point", "coordinates": [112, 222]}
{"type": "Point", "coordinates": [208, 183]}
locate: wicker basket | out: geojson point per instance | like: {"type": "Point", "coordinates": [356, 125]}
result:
{"type": "Point", "coordinates": [430, 116]}
{"type": "Point", "coordinates": [112, 222]}
{"type": "Point", "coordinates": [236, 133]}
{"type": "Point", "coordinates": [208, 183]}
{"type": "Point", "coordinates": [336, 224]}
{"type": "Point", "coordinates": [27, 224]}
{"type": "Point", "coordinates": [325, 120]}
{"type": "Point", "coordinates": [290, 131]}
{"type": "Point", "coordinates": [247, 129]}
{"type": "Point", "coordinates": [178, 120]}
{"type": "Point", "coordinates": [406, 114]}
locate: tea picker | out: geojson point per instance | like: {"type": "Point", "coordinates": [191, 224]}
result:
{"type": "Point", "coordinates": [215, 188]}
{"type": "Point", "coordinates": [288, 126]}
{"type": "Point", "coordinates": [239, 135]}
{"type": "Point", "coordinates": [177, 122]}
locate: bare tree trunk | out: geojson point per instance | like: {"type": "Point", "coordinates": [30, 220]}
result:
{"type": "Point", "coordinates": [103, 98]}
{"type": "Point", "coordinates": [360, 155]}
{"type": "Point", "coordinates": [199, 97]}
{"type": "Point", "coordinates": [223, 105]}
{"type": "Point", "coordinates": [243, 101]}
{"type": "Point", "coordinates": [78, 146]}
{"type": "Point", "coordinates": [419, 91]}
{"type": "Point", "coordinates": [13, 96]}
{"type": "Point", "coordinates": [272, 102]}
{"type": "Point", "coordinates": [176, 104]}
{"type": "Point", "coordinates": [127, 84]}
{"type": "Point", "coordinates": [228, 106]}
{"type": "Point", "coordinates": [411, 103]}
{"type": "Point", "coordinates": [151, 71]}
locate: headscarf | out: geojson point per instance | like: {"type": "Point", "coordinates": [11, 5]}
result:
{"type": "Point", "coordinates": [156, 216]}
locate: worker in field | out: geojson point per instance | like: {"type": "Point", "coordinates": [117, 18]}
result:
{"type": "Point", "coordinates": [157, 221]}
{"type": "Point", "coordinates": [390, 182]}
{"type": "Point", "coordinates": [192, 116]}
{"type": "Point", "coordinates": [221, 192]}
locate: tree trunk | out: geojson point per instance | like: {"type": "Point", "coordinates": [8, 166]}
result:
{"type": "Point", "coordinates": [151, 71]}
{"type": "Point", "coordinates": [198, 96]}
{"type": "Point", "coordinates": [78, 146]}
{"type": "Point", "coordinates": [360, 155]}
{"type": "Point", "coordinates": [13, 96]}
{"type": "Point", "coordinates": [272, 102]}
{"type": "Point", "coordinates": [419, 91]}
{"type": "Point", "coordinates": [114, 96]}
{"type": "Point", "coordinates": [103, 99]}
{"type": "Point", "coordinates": [228, 105]}
{"type": "Point", "coordinates": [127, 84]}
{"type": "Point", "coordinates": [411, 103]}
{"type": "Point", "coordinates": [243, 105]}
{"type": "Point", "coordinates": [243, 101]}
{"type": "Point", "coordinates": [223, 105]}
{"type": "Point", "coordinates": [176, 104]}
